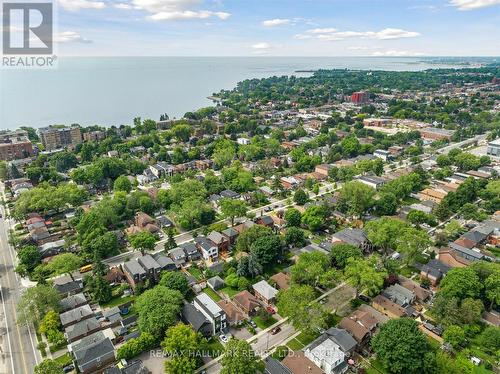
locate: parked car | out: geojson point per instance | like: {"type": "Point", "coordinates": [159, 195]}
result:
{"type": "Point", "coordinates": [275, 330]}
{"type": "Point", "coordinates": [223, 338]}
{"type": "Point", "coordinates": [364, 298]}
{"type": "Point", "coordinates": [271, 310]}
{"type": "Point", "coordinates": [69, 368]}
{"type": "Point", "coordinates": [252, 323]}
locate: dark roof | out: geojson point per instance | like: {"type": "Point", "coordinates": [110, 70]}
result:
{"type": "Point", "coordinates": [230, 232]}
{"type": "Point", "coordinates": [93, 351]}
{"type": "Point", "coordinates": [229, 194]}
{"type": "Point", "coordinates": [273, 366]}
{"type": "Point", "coordinates": [216, 267]}
{"type": "Point", "coordinates": [69, 287]}
{"type": "Point", "coordinates": [340, 336]}
{"type": "Point", "coordinates": [266, 220]}
{"type": "Point", "coordinates": [193, 316]}
{"type": "Point", "coordinates": [189, 248]}
{"type": "Point", "coordinates": [203, 242]}
{"type": "Point", "coordinates": [164, 261]}
{"type": "Point", "coordinates": [475, 236]}
{"type": "Point", "coordinates": [352, 236]}
{"type": "Point", "coordinates": [216, 282]}
{"type": "Point", "coordinates": [134, 268]}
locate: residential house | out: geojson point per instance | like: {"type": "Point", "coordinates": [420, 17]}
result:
{"type": "Point", "coordinates": [191, 251]}
{"type": "Point", "coordinates": [451, 258]}
{"type": "Point", "coordinates": [421, 294]}
{"type": "Point", "coordinates": [274, 366]}
{"type": "Point", "coordinates": [265, 292]}
{"type": "Point", "coordinates": [399, 294]}
{"type": "Point", "coordinates": [356, 237]}
{"type": "Point", "coordinates": [323, 169]}
{"type": "Point", "coordinates": [229, 194]}
{"type": "Point", "coordinates": [434, 270]}
{"type": "Point", "coordinates": [200, 323]}
{"type": "Point", "coordinates": [265, 221]}
{"type": "Point", "coordinates": [134, 273]}
{"type": "Point", "coordinates": [383, 154]}
{"type": "Point", "coordinates": [289, 183]}
{"type": "Point", "coordinates": [389, 308]}
{"type": "Point", "coordinates": [212, 312]}
{"type": "Point", "coordinates": [208, 249]}
{"type": "Point", "coordinates": [234, 315]}
{"type": "Point", "coordinates": [151, 267]}
{"type": "Point", "coordinates": [216, 283]}
{"type": "Point", "coordinates": [95, 356]}
{"type": "Point", "coordinates": [299, 363]}
{"type": "Point", "coordinates": [115, 275]}
{"type": "Point", "coordinates": [179, 256]}
{"type": "Point", "coordinates": [371, 180]}
{"type": "Point", "coordinates": [67, 286]}
{"type": "Point", "coordinates": [72, 302]}
{"type": "Point", "coordinates": [247, 302]}
{"type": "Point", "coordinates": [231, 234]}
{"type": "Point", "coordinates": [219, 240]}
{"type": "Point", "coordinates": [76, 315]}
{"type": "Point", "coordinates": [166, 263]}
{"type": "Point", "coordinates": [356, 329]}
{"type": "Point", "coordinates": [327, 354]}
{"type": "Point", "coordinates": [81, 329]}
{"type": "Point", "coordinates": [432, 194]}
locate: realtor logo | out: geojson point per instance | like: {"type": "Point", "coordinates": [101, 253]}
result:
{"type": "Point", "coordinates": [35, 21]}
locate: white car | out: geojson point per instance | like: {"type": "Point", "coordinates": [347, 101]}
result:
{"type": "Point", "coordinates": [223, 338]}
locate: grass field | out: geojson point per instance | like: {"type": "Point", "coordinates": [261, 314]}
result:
{"type": "Point", "coordinates": [118, 300]}
{"type": "Point", "coordinates": [295, 345]}
{"type": "Point", "coordinates": [229, 291]}
{"type": "Point", "coordinates": [212, 294]}
{"type": "Point", "coordinates": [263, 324]}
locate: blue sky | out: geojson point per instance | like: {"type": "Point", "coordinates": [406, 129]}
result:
{"type": "Point", "coordinates": [279, 27]}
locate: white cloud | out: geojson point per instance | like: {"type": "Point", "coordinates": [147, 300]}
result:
{"type": "Point", "coordinates": [360, 48]}
{"type": "Point", "coordinates": [172, 10]}
{"type": "Point", "coordinates": [76, 5]}
{"type": "Point", "coordinates": [473, 4]}
{"type": "Point", "coordinates": [261, 46]}
{"type": "Point", "coordinates": [122, 6]}
{"type": "Point", "coordinates": [332, 34]}
{"type": "Point", "coordinates": [275, 22]}
{"type": "Point", "coordinates": [395, 53]}
{"type": "Point", "coordinates": [70, 37]}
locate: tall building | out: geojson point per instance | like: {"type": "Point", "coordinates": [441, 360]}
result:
{"type": "Point", "coordinates": [494, 148]}
{"type": "Point", "coordinates": [60, 137]}
{"type": "Point", "coordinates": [360, 97]}
{"type": "Point", "coordinates": [15, 145]}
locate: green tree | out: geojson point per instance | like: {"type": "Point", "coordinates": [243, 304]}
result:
{"type": "Point", "coordinates": [383, 232]}
{"type": "Point", "coordinates": [175, 280]}
{"type": "Point", "coordinates": [239, 358]}
{"type": "Point", "coordinates": [292, 217]}
{"type": "Point", "coordinates": [341, 252]}
{"type": "Point", "coordinates": [364, 275]}
{"type": "Point", "coordinates": [386, 204]}
{"type": "Point", "coordinates": [453, 229]}
{"type": "Point", "coordinates": [122, 183]}
{"type": "Point", "coordinates": [356, 198]}
{"type": "Point", "coordinates": [49, 366]}
{"type": "Point", "coordinates": [233, 208]}
{"type": "Point", "coordinates": [492, 288]}
{"type": "Point", "coordinates": [158, 309]}
{"type": "Point", "coordinates": [300, 197]}
{"type": "Point", "coordinates": [298, 304]}
{"type": "Point", "coordinates": [490, 339]}
{"type": "Point", "coordinates": [411, 243]}
{"type": "Point", "coordinates": [315, 217]}
{"type": "Point", "coordinates": [314, 269]}
{"type": "Point", "coordinates": [29, 256]}
{"type": "Point", "coordinates": [295, 237]}
{"type": "Point", "coordinates": [65, 263]}
{"type": "Point", "coordinates": [35, 302]}
{"type": "Point", "coordinates": [99, 288]}
{"type": "Point", "coordinates": [143, 241]}
{"type": "Point", "coordinates": [454, 335]}
{"type": "Point", "coordinates": [249, 236]}
{"type": "Point", "coordinates": [461, 283]}
{"type": "Point", "coordinates": [181, 343]}
{"type": "Point", "coordinates": [401, 347]}
{"type": "Point", "coordinates": [267, 249]}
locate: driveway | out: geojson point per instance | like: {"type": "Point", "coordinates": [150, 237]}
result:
{"type": "Point", "coordinates": [153, 361]}
{"type": "Point", "coordinates": [338, 300]}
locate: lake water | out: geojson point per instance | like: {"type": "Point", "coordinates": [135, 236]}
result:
{"type": "Point", "coordinates": [112, 91]}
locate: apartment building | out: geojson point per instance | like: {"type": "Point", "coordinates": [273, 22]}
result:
{"type": "Point", "coordinates": [15, 145]}
{"type": "Point", "coordinates": [60, 137]}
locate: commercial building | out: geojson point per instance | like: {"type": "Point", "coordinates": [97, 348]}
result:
{"type": "Point", "coordinates": [15, 145]}
{"type": "Point", "coordinates": [60, 137]}
{"type": "Point", "coordinates": [432, 133]}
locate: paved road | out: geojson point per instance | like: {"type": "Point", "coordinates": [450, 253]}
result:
{"type": "Point", "coordinates": [19, 353]}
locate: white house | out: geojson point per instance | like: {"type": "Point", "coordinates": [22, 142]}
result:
{"type": "Point", "coordinates": [243, 141]}
{"type": "Point", "coordinates": [213, 312]}
{"type": "Point", "coordinates": [327, 355]}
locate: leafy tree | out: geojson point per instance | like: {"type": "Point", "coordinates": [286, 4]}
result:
{"type": "Point", "coordinates": [249, 236]}
{"type": "Point", "coordinates": [181, 343]}
{"type": "Point", "coordinates": [356, 198]}
{"type": "Point", "coordinates": [386, 204]}
{"type": "Point", "coordinates": [298, 304]}
{"type": "Point", "coordinates": [452, 311]}
{"type": "Point", "coordinates": [401, 347]}
{"type": "Point", "coordinates": [134, 347]}
{"type": "Point", "coordinates": [492, 288]}
{"type": "Point", "coordinates": [340, 253]}
{"type": "Point", "coordinates": [99, 288]}
{"type": "Point", "coordinates": [453, 229]}
{"type": "Point", "coordinates": [65, 263]}
{"type": "Point", "coordinates": [295, 237]}
{"type": "Point", "coordinates": [49, 366]}
{"type": "Point", "coordinates": [411, 243]}
{"type": "Point", "coordinates": [232, 208]}
{"type": "Point", "coordinates": [454, 335]}
{"type": "Point", "coordinates": [300, 197]}
{"type": "Point", "coordinates": [158, 309]}
{"type": "Point", "coordinates": [490, 339]}
{"type": "Point", "coordinates": [35, 302]}
{"type": "Point", "coordinates": [461, 283]}
{"type": "Point", "coordinates": [143, 241]}
{"type": "Point", "coordinates": [29, 256]}
{"type": "Point", "coordinates": [122, 183]}
{"type": "Point", "coordinates": [175, 280]}
{"type": "Point", "coordinates": [239, 358]}
{"type": "Point", "coordinates": [383, 232]}
{"type": "Point", "coordinates": [314, 269]}
{"type": "Point", "coordinates": [292, 217]}
{"type": "Point", "coordinates": [364, 275]}
{"type": "Point", "coordinates": [315, 217]}
{"type": "Point", "coordinates": [266, 249]}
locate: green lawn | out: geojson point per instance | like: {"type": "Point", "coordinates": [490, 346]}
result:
{"type": "Point", "coordinates": [215, 347]}
{"type": "Point", "coordinates": [263, 324]}
{"type": "Point", "coordinates": [196, 272]}
{"type": "Point", "coordinates": [376, 368]}
{"type": "Point", "coordinates": [118, 300]}
{"type": "Point", "coordinates": [306, 337]}
{"type": "Point", "coordinates": [212, 294]}
{"type": "Point", "coordinates": [229, 291]}
{"type": "Point", "coordinates": [64, 360]}
{"type": "Point", "coordinates": [295, 345]}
